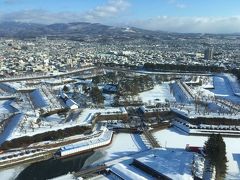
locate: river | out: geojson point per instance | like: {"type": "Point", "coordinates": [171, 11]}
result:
{"type": "Point", "coordinates": [54, 167]}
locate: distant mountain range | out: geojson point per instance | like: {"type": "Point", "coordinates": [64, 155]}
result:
{"type": "Point", "coordinates": [75, 31]}
{"type": "Point", "coordinates": [83, 31]}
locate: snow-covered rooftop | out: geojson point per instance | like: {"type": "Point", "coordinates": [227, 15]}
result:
{"type": "Point", "coordinates": [173, 163]}
{"type": "Point", "coordinates": [175, 138]}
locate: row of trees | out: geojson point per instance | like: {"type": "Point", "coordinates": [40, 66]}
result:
{"type": "Point", "coordinates": [110, 77]}
{"type": "Point", "coordinates": [47, 136]}
{"type": "Point", "coordinates": [214, 121]}
{"type": "Point", "coordinates": [190, 68]}
{"type": "Point", "coordinates": [236, 72]}
{"type": "Point", "coordinates": [127, 85]}
{"type": "Point", "coordinates": [184, 68]}
{"type": "Point", "coordinates": [135, 85]}
{"type": "Point", "coordinates": [96, 95]}
{"type": "Point", "coordinates": [172, 67]}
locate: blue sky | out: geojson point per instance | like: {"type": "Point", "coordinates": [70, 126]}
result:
{"type": "Point", "coordinates": [169, 15]}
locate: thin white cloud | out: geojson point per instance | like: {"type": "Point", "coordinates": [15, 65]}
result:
{"type": "Point", "coordinates": [11, 1]}
{"type": "Point", "coordinates": [112, 8]}
{"type": "Point", "coordinates": [191, 24]}
{"type": "Point", "coordinates": [102, 13]}
{"type": "Point", "coordinates": [181, 6]}
{"type": "Point", "coordinates": [177, 4]}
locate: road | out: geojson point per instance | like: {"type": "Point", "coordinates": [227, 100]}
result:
{"type": "Point", "coordinates": [155, 72]}
{"type": "Point", "coordinates": [15, 79]}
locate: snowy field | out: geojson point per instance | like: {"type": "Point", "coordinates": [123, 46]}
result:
{"type": "Point", "coordinates": [87, 114]}
{"type": "Point", "coordinates": [65, 177]}
{"type": "Point", "coordinates": [174, 138]}
{"type": "Point", "coordinates": [158, 94]}
{"type": "Point", "coordinates": [11, 174]}
{"type": "Point", "coordinates": [11, 127]}
{"type": "Point", "coordinates": [5, 107]}
{"type": "Point", "coordinates": [179, 95]}
{"type": "Point", "coordinates": [109, 100]}
{"type": "Point", "coordinates": [222, 87]}
{"type": "Point", "coordinates": [18, 126]}
{"type": "Point", "coordinates": [38, 99]}
{"type": "Point", "coordinates": [123, 144]}
{"type": "Point", "coordinates": [190, 111]}
{"type": "Point", "coordinates": [234, 83]}
{"type": "Point", "coordinates": [50, 123]}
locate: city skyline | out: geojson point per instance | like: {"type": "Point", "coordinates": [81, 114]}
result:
{"type": "Point", "coordinates": [215, 16]}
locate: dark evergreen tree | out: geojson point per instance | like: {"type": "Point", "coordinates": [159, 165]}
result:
{"type": "Point", "coordinates": [96, 79]}
{"type": "Point", "coordinates": [66, 88]}
{"type": "Point", "coordinates": [85, 88]}
{"type": "Point", "coordinates": [96, 95]}
{"type": "Point", "coordinates": [216, 154]}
